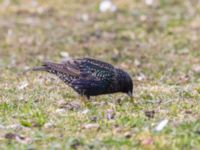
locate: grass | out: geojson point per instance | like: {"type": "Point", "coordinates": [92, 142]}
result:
{"type": "Point", "coordinates": [158, 46]}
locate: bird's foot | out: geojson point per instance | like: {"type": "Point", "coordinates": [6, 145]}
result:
{"type": "Point", "coordinates": [85, 101]}
{"type": "Point", "coordinates": [133, 101]}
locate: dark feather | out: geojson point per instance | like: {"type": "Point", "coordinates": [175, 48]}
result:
{"type": "Point", "coordinates": [90, 77]}
{"type": "Point", "coordinates": [96, 68]}
{"type": "Point", "coordinates": [42, 68]}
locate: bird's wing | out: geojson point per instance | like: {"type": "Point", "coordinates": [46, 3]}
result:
{"type": "Point", "coordinates": [65, 71]}
{"type": "Point", "coordinates": [96, 77]}
{"type": "Point", "coordinates": [90, 86]}
{"type": "Point", "coordinates": [96, 69]}
{"type": "Point", "coordinates": [85, 68]}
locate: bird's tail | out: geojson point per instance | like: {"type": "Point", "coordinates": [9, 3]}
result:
{"type": "Point", "coordinates": [40, 68]}
{"type": "Point", "coordinates": [67, 68]}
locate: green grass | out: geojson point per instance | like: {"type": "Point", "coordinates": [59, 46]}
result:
{"type": "Point", "coordinates": [158, 46]}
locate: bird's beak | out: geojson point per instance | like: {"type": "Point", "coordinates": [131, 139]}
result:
{"type": "Point", "coordinates": [130, 94]}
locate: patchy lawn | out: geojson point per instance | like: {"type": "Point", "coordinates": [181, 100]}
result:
{"type": "Point", "coordinates": [158, 45]}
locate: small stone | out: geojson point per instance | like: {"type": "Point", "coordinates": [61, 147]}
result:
{"type": "Point", "coordinates": [14, 127]}
{"type": "Point", "coordinates": [149, 2]}
{"type": "Point", "coordinates": [137, 63]}
{"type": "Point", "coordinates": [107, 5]}
{"type": "Point", "coordinates": [6, 3]}
{"type": "Point", "coordinates": [85, 111]}
{"type": "Point", "coordinates": [90, 126]}
{"type": "Point", "coordinates": [161, 125]}
{"type": "Point", "coordinates": [22, 85]}
{"type": "Point", "coordinates": [85, 17]}
{"type": "Point", "coordinates": [64, 54]}
{"type": "Point", "coordinates": [143, 18]}
{"type": "Point", "coordinates": [196, 68]}
{"type": "Point", "coordinates": [2, 127]}
{"type": "Point", "coordinates": [48, 125]}
{"type": "Point", "coordinates": [60, 111]}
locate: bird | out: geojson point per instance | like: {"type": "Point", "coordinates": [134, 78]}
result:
{"type": "Point", "coordinates": [90, 77]}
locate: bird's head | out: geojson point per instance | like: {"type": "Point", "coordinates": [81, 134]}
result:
{"type": "Point", "coordinates": [129, 86]}
{"type": "Point", "coordinates": [126, 83]}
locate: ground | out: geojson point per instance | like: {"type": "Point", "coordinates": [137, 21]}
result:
{"type": "Point", "coordinates": [158, 45]}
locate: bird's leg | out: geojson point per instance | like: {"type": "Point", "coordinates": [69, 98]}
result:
{"type": "Point", "coordinates": [132, 100]}
{"type": "Point", "coordinates": [131, 97]}
{"type": "Point", "coordinates": [85, 99]}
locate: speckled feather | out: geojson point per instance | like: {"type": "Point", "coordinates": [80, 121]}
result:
{"type": "Point", "coordinates": [90, 77]}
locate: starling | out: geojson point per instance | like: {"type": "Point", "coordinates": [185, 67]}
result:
{"type": "Point", "coordinates": [90, 77]}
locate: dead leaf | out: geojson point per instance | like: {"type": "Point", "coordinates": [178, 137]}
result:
{"type": "Point", "coordinates": [117, 129]}
{"type": "Point", "coordinates": [184, 78]}
{"type": "Point", "coordinates": [150, 114]}
{"type": "Point", "coordinates": [14, 126]}
{"type": "Point", "coordinates": [22, 85]}
{"type": "Point", "coordinates": [70, 106]}
{"type": "Point", "coordinates": [128, 134]}
{"type": "Point", "coordinates": [18, 138]}
{"type": "Point", "coordinates": [188, 112]}
{"type": "Point", "coordinates": [110, 114]}
{"type": "Point", "coordinates": [10, 136]}
{"type": "Point", "coordinates": [93, 118]}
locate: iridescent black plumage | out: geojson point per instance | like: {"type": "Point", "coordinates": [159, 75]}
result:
{"type": "Point", "coordinates": [90, 77]}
